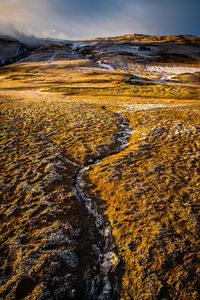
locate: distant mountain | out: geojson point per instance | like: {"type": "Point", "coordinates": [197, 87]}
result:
{"type": "Point", "coordinates": [177, 39]}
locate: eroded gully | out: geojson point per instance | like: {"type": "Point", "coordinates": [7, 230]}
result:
{"type": "Point", "coordinates": [98, 256]}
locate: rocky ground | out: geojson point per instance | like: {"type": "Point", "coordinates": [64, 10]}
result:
{"type": "Point", "coordinates": [100, 173]}
{"type": "Point", "coordinates": [12, 50]}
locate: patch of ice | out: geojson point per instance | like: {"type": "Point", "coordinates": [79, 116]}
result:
{"type": "Point", "coordinates": [53, 56]}
{"type": "Point", "coordinates": [132, 69]}
{"type": "Point", "coordinates": [17, 52]}
{"type": "Point", "coordinates": [130, 107]}
{"type": "Point", "coordinates": [167, 77]}
{"type": "Point", "coordinates": [137, 75]}
{"type": "Point", "coordinates": [105, 66]}
{"type": "Point", "coordinates": [89, 68]}
{"type": "Point", "coordinates": [77, 45]}
{"type": "Point", "coordinates": [172, 69]}
{"type": "Point", "coordinates": [87, 200]}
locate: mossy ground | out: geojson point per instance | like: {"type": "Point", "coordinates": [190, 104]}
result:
{"type": "Point", "coordinates": [150, 192]}
{"type": "Point", "coordinates": [55, 116]}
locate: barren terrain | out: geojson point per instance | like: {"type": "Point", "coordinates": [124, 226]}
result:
{"type": "Point", "coordinates": [100, 173]}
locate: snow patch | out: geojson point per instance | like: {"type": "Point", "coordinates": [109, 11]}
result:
{"type": "Point", "coordinates": [53, 56]}
{"type": "Point", "coordinates": [136, 107]}
{"type": "Point", "coordinates": [136, 75]}
{"type": "Point", "coordinates": [17, 52]}
{"type": "Point", "coordinates": [172, 69]}
{"type": "Point", "coordinates": [77, 45]}
{"type": "Point", "coordinates": [105, 66]}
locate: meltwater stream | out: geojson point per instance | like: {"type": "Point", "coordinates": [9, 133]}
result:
{"type": "Point", "coordinates": [104, 283]}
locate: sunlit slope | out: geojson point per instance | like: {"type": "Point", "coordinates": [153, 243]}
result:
{"type": "Point", "coordinates": [151, 196]}
{"type": "Point", "coordinates": [63, 113]}
{"type": "Point", "coordinates": [43, 142]}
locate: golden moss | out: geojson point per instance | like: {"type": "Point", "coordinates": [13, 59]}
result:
{"type": "Point", "coordinates": [150, 191]}
{"type": "Point", "coordinates": [57, 116]}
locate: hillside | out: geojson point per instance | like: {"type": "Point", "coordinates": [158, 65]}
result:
{"type": "Point", "coordinates": [100, 177]}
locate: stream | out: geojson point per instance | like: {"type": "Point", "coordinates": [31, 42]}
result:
{"type": "Point", "coordinates": [105, 282]}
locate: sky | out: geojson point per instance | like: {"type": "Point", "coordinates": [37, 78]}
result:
{"type": "Point", "coordinates": [79, 19]}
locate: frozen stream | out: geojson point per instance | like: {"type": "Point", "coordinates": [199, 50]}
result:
{"type": "Point", "coordinates": [107, 256]}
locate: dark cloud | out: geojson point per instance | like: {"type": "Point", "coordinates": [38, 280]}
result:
{"type": "Point", "coordinates": [85, 18]}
